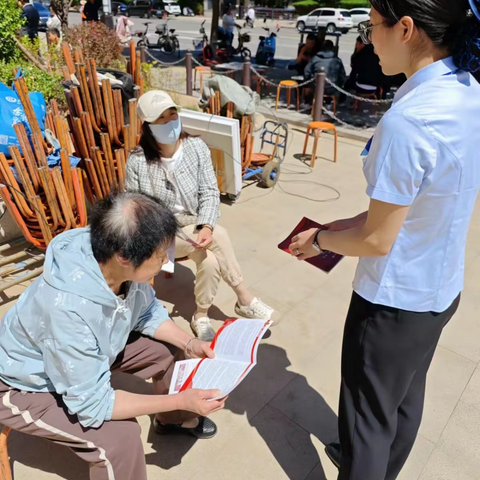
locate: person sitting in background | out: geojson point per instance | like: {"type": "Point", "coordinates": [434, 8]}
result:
{"type": "Point", "coordinates": [312, 46]}
{"type": "Point", "coordinates": [177, 169]}
{"type": "Point", "coordinates": [332, 65]}
{"type": "Point", "coordinates": [31, 18]}
{"type": "Point", "coordinates": [366, 70]}
{"type": "Point", "coordinates": [92, 313]}
{"type": "Point", "coordinates": [366, 75]}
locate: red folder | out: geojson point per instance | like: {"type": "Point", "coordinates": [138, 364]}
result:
{"type": "Point", "coordinates": [325, 261]}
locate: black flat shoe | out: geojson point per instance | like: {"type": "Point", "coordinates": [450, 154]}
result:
{"type": "Point", "coordinates": [205, 428]}
{"type": "Point", "coordinates": [334, 453]}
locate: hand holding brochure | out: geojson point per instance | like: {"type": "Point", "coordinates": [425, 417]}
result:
{"type": "Point", "coordinates": [326, 261]}
{"type": "Point", "coordinates": [235, 346]}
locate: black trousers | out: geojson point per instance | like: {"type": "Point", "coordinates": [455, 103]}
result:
{"type": "Point", "coordinates": [385, 359]}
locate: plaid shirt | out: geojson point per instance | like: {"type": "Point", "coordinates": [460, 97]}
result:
{"type": "Point", "coordinates": [195, 178]}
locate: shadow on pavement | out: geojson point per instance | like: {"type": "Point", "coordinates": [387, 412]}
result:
{"type": "Point", "coordinates": [285, 418]}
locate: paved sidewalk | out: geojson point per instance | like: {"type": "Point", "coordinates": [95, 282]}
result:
{"type": "Point", "coordinates": [277, 422]}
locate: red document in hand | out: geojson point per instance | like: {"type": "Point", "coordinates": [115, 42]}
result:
{"type": "Point", "coordinates": [325, 261]}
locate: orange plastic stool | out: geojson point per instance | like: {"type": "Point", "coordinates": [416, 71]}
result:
{"type": "Point", "coordinates": [5, 470]}
{"type": "Point", "coordinates": [259, 81]}
{"type": "Point", "coordinates": [373, 96]}
{"type": "Point", "coordinates": [334, 100]}
{"type": "Point", "coordinates": [201, 72]}
{"type": "Point", "coordinates": [293, 85]}
{"type": "Point", "coordinates": [317, 128]}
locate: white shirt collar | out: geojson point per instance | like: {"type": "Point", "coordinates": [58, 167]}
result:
{"type": "Point", "coordinates": [436, 69]}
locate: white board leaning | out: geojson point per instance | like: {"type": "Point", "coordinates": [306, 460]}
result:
{"type": "Point", "coordinates": [222, 133]}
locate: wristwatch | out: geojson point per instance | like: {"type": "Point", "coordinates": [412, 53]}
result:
{"type": "Point", "coordinates": [316, 245]}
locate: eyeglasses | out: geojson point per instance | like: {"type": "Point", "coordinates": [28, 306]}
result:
{"type": "Point", "coordinates": [365, 31]}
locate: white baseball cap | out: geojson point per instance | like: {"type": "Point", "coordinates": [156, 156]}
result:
{"type": "Point", "coordinates": [152, 104]}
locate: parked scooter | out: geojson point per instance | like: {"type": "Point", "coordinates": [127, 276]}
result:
{"type": "Point", "coordinates": [200, 44]}
{"type": "Point", "coordinates": [266, 49]}
{"type": "Point", "coordinates": [241, 49]}
{"type": "Point", "coordinates": [167, 41]}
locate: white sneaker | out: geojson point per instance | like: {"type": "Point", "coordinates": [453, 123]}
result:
{"type": "Point", "coordinates": [202, 328]}
{"type": "Point", "coordinates": [256, 310]}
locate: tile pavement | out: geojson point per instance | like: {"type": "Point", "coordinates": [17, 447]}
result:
{"type": "Point", "coordinates": [279, 418]}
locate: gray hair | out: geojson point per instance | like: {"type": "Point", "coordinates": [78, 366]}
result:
{"type": "Point", "coordinates": [131, 224]}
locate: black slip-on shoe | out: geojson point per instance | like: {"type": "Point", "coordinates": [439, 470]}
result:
{"type": "Point", "coordinates": [334, 453]}
{"type": "Point", "coordinates": [205, 428]}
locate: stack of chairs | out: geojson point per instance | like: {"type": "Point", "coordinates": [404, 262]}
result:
{"type": "Point", "coordinates": [46, 201]}
{"type": "Point", "coordinates": [101, 135]}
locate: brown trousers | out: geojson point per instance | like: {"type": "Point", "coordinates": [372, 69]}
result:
{"type": "Point", "coordinates": [114, 451]}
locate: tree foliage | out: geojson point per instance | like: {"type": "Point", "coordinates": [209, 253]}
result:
{"type": "Point", "coordinates": [50, 84]}
{"type": "Point", "coordinates": [10, 23]}
{"type": "Point", "coordinates": [97, 42]}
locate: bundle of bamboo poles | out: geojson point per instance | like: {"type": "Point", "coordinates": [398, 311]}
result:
{"type": "Point", "coordinates": [46, 201]}
{"type": "Point", "coordinates": [101, 135]}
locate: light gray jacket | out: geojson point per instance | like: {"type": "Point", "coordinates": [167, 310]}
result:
{"type": "Point", "coordinates": [66, 330]}
{"type": "Point", "coordinates": [195, 178]}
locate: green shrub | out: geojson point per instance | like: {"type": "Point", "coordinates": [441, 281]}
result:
{"type": "Point", "coordinates": [10, 23]}
{"type": "Point", "coordinates": [349, 4]}
{"type": "Point", "coordinates": [50, 84]}
{"type": "Point", "coordinates": [98, 42]}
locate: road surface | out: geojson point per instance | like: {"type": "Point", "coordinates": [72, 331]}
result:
{"type": "Point", "coordinates": [187, 30]}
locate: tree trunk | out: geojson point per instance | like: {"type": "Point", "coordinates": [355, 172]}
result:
{"type": "Point", "coordinates": [61, 8]}
{"type": "Point", "coordinates": [215, 20]}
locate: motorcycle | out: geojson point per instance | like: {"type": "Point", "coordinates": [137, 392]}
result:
{"type": "Point", "coordinates": [167, 41]}
{"type": "Point", "coordinates": [266, 49]}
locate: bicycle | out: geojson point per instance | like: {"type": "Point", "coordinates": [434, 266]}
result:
{"type": "Point", "coordinates": [167, 41]}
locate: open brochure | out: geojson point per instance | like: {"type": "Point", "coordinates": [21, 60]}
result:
{"type": "Point", "coordinates": [235, 346]}
{"type": "Point", "coordinates": [326, 261]}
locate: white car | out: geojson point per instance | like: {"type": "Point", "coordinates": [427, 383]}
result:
{"type": "Point", "coordinates": [360, 15]}
{"type": "Point", "coordinates": [172, 7]}
{"type": "Point", "coordinates": [333, 19]}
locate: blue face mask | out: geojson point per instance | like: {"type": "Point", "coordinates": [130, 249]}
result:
{"type": "Point", "coordinates": [168, 133]}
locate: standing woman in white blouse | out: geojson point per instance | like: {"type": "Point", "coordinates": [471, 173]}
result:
{"type": "Point", "coordinates": [423, 176]}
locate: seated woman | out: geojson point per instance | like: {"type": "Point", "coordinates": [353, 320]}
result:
{"type": "Point", "coordinates": [177, 169]}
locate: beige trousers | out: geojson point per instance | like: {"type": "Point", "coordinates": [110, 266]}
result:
{"type": "Point", "coordinates": [216, 263]}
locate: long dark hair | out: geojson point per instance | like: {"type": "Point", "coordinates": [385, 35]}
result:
{"type": "Point", "coordinates": [450, 24]}
{"type": "Point", "coordinates": [150, 146]}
